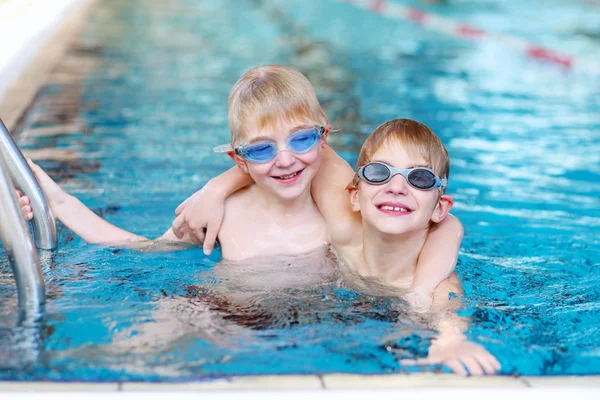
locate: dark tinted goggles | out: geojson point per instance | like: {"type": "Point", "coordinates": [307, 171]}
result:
{"type": "Point", "coordinates": [377, 173]}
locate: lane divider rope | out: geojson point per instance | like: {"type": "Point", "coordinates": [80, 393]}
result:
{"type": "Point", "coordinates": [469, 32]}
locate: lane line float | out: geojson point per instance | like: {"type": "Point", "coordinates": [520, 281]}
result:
{"type": "Point", "coordinates": [469, 32]}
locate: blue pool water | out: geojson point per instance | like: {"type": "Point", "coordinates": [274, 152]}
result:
{"type": "Point", "coordinates": [140, 100]}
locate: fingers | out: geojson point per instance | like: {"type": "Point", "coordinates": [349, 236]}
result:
{"type": "Point", "coordinates": [25, 204]}
{"type": "Point", "coordinates": [487, 365]}
{"type": "Point", "coordinates": [210, 240]}
{"type": "Point", "coordinates": [494, 361]}
{"type": "Point", "coordinates": [456, 367]}
{"type": "Point", "coordinates": [472, 365]}
{"type": "Point", "coordinates": [178, 225]}
{"type": "Point", "coordinates": [181, 207]}
{"type": "Point", "coordinates": [27, 212]}
{"type": "Point", "coordinates": [488, 362]}
{"type": "Point", "coordinates": [197, 235]}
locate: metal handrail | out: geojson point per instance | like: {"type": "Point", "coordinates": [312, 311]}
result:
{"type": "Point", "coordinates": [44, 224]}
{"type": "Point", "coordinates": [23, 257]}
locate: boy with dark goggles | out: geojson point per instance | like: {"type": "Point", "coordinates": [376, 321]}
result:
{"type": "Point", "coordinates": [378, 173]}
{"type": "Point", "coordinates": [298, 142]}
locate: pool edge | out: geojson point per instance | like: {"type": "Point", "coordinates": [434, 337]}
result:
{"type": "Point", "coordinates": [20, 93]}
{"type": "Point", "coordinates": [316, 382]}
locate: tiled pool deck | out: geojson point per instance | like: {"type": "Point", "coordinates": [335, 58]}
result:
{"type": "Point", "coordinates": [14, 102]}
{"type": "Point", "coordinates": [317, 382]}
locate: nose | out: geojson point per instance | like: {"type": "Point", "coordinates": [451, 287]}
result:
{"type": "Point", "coordinates": [397, 185]}
{"type": "Point", "coordinates": [284, 159]}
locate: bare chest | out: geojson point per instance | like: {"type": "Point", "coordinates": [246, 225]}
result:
{"type": "Point", "coordinates": [258, 232]}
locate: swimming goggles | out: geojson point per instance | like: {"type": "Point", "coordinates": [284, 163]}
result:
{"type": "Point", "coordinates": [377, 173]}
{"type": "Point", "coordinates": [298, 142]}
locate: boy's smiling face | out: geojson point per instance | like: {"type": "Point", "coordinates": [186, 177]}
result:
{"type": "Point", "coordinates": [396, 207]}
{"type": "Point", "coordinates": [289, 174]}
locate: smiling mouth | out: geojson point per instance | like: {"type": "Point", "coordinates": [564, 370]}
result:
{"type": "Point", "coordinates": [289, 178]}
{"type": "Point", "coordinates": [394, 210]}
{"type": "Point", "coordinates": [390, 208]}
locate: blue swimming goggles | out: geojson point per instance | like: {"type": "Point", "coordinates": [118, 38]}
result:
{"type": "Point", "coordinates": [377, 173]}
{"type": "Point", "coordinates": [298, 142]}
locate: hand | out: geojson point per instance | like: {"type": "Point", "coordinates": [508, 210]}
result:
{"type": "Point", "coordinates": [201, 216]}
{"type": "Point", "coordinates": [460, 355]}
{"type": "Point", "coordinates": [25, 204]}
{"type": "Point", "coordinates": [54, 193]}
{"type": "Point", "coordinates": [419, 300]}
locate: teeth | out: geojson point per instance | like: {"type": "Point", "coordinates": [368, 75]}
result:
{"type": "Point", "coordinates": [390, 208]}
{"type": "Point", "coordinates": [288, 176]}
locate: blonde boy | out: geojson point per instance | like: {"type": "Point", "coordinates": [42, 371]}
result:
{"type": "Point", "coordinates": [277, 136]}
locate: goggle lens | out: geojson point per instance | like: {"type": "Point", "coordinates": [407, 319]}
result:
{"type": "Point", "coordinates": [299, 142]}
{"type": "Point", "coordinates": [304, 140]}
{"type": "Point", "coordinates": [261, 152]}
{"type": "Point", "coordinates": [376, 173]}
{"type": "Point", "coordinates": [421, 178]}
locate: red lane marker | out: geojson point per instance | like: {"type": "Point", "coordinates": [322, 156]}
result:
{"type": "Point", "coordinates": [548, 55]}
{"type": "Point", "coordinates": [466, 31]}
{"type": "Point", "coordinates": [377, 6]}
{"type": "Point", "coordinates": [471, 31]}
{"type": "Point", "coordinates": [416, 15]}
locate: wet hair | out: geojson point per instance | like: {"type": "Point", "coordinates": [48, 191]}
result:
{"type": "Point", "coordinates": [268, 94]}
{"type": "Point", "coordinates": [413, 135]}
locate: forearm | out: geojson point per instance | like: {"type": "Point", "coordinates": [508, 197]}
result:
{"type": "Point", "coordinates": [228, 182]}
{"type": "Point", "coordinates": [439, 255]}
{"type": "Point", "coordinates": [444, 310]}
{"type": "Point", "coordinates": [89, 226]}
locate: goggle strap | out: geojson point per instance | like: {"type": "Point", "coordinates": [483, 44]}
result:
{"type": "Point", "coordinates": [224, 148]}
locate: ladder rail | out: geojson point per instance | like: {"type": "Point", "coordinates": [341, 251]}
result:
{"type": "Point", "coordinates": [44, 223]}
{"type": "Point", "coordinates": [18, 245]}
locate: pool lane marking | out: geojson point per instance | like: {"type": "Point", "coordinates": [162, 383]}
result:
{"type": "Point", "coordinates": [467, 31]}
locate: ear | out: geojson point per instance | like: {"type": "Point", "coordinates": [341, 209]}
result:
{"type": "Point", "coordinates": [442, 208]}
{"type": "Point", "coordinates": [354, 202]}
{"type": "Point", "coordinates": [238, 161]}
{"type": "Point", "coordinates": [325, 135]}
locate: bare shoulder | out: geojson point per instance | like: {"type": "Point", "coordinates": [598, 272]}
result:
{"type": "Point", "coordinates": [346, 232]}
{"type": "Point", "coordinates": [239, 199]}
{"type": "Point", "coordinates": [237, 207]}
{"type": "Point", "coordinates": [350, 250]}
{"type": "Point", "coordinates": [451, 225]}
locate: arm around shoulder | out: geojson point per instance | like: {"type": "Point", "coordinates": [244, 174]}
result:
{"type": "Point", "coordinates": [436, 261]}
{"type": "Point", "coordinates": [200, 216]}
{"type": "Point", "coordinates": [331, 196]}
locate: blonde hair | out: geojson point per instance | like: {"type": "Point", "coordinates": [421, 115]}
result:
{"type": "Point", "coordinates": [415, 136]}
{"type": "Point", "coordinates": [268, 94]}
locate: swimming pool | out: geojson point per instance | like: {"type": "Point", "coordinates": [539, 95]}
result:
{"type": "Point", "coordinates": [139, 112]}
